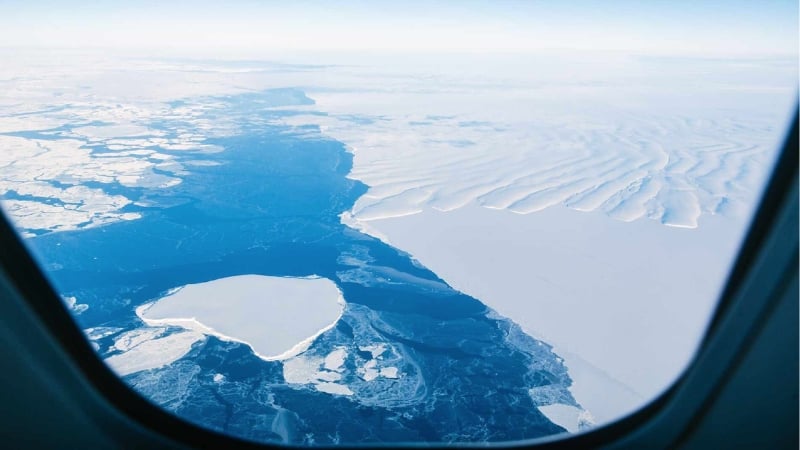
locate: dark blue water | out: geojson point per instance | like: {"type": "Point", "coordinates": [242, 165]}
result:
{"type": "Point", "coordinates": [272, 207]}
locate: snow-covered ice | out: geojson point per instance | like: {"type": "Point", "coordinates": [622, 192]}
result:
{"type": "Point", "coordinates": [278, 317]}
{"type": "Point", "coordinates": [154, 353]}
{"type": "Point", "coordinates": [627, 298]}
{"type": "Point", "coordinates": [335, 359]}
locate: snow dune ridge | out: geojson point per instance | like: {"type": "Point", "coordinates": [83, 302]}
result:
{"type": "Point", "coordinates": [672, 171]}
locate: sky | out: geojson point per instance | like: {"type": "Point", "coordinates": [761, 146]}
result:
{"type": "Point", "coordinates": [676, 27]}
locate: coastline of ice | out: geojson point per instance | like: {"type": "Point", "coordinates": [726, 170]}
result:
{"type": "Point", "coordinates": [524, 267]}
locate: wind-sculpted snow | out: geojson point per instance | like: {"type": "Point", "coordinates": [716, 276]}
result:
{"type": "Point", "coordinates": [631, 138]}
{"type": "Point", "coordinates": [669, 169]}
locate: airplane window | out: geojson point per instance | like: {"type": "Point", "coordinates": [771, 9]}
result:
{"type": "Point", "coordinates": [319, 224]}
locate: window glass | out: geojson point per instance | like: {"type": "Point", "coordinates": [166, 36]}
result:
{"type": "Point", "coordinates": [317, 223]}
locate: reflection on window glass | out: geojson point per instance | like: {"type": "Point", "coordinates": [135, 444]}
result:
{"type": "Point", "coordinates": [468, 222]}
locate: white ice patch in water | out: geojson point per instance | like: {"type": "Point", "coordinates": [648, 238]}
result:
{"type": "Point", "coordinates": [375, 350]}
{"type": "Point", "coordinates": [389, 372]}
{"type": "Point", "coordinates": [372, 369]}
{"type": "Point", "coordinates": [72, 304]}
{"type": "Point", "coordinates": [335, 359]}
{"type": "Point", "coordinates": [49, 176]}
{"type": "Point", "coordinates": [96, 333]}
{"type": "Point", "coordinates": [155, 353]}
{"type": "Point", "coordinates": [568, 417]}
{"type": "Point", "coordinates": [333, 388]}
{"type": "Point", "coordinates": [278, 317]}
{"type": "Point", "coordinates": [130, 339]}
{"type": "Point", "coordinates": [320, 373]}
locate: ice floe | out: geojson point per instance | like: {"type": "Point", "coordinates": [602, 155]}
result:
{"type": "Point", "coordinates": [154, 353]}
{"type": "Point", "coordinates": [320, 373]}
{"type": "Point", "coordinates": [72, 303]}
{"type": "Point", "coordinates": [278, 317]}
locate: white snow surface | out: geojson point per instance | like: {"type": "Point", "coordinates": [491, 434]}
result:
{"type": "Point", "coordinates": [333, 388]}
{"type": "Point", "coordinates": [129, 339]}
{"type": "Point", "coordinates": [278, 317]}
